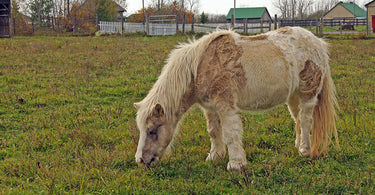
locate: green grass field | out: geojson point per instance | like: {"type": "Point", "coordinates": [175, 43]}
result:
{"type": "Point", "coordinates": [67, 125]}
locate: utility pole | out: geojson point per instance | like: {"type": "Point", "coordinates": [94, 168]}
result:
{"type": "Point", "coordinates": [234, 13]}
{"type": "Point", "coordinates": [354, 9]}
{"type": "Point", "coordinates": [143, 7]}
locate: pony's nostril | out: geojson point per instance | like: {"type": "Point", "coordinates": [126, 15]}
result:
{"type": "Point", "coordinates": [152, 159]}
{"type": "Point", "coordinates": [141, 161]}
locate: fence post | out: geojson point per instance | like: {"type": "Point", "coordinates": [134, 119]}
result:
{"type": "Point", "coordinates": [97, 22]}
{"type": "Point", "coordinates": [53, 24]}
{"type": "Point", "coordinates": [275, 26]}
{"type": "Point", "coordinates": [192, 23]}
{"type": "Point", "coordinates": [176, 23]}
{"type": "Point", "coordinates": [269, 25]}
{"type": "Point", "coordinates": [183, 23]}
{"type": "Point", "coordinates": [147, 25]}
{"type": "Point", "coordinates": [74, 25]}
{"type": "Point", "coordinates": [245, 25]}
{"type": "Point", "coordinates": [321, 27]}
{"type": "Point", "coordinates": [122, 23]}
{"type": "Point", "coordinates": [14, 26]}
{"type": "Point", "coordinates": [340, 27]}
{"type": "Point", "coordinates": [232, 21]}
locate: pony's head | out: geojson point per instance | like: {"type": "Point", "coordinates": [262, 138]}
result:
{"type": "Point", "coordinates": [156, 133]}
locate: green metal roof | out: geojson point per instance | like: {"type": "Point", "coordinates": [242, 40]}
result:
{"type": "Point", "coordinates": [249, 12]}
{"type": "Point", "coordinates": [354, 9]}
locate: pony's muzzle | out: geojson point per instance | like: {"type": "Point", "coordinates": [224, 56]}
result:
{"type": "Point", "coordinates": [148, 162]}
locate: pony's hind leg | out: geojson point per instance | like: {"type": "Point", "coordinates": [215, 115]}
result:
{"type": "Point", "coordinates": [310, 85]}
{"type": "Point", "coordinates": [293, 106]}
{"type": "Point", "coordinates": [306, 123]}
{"type": "Point", "coordinates": [216, 136]}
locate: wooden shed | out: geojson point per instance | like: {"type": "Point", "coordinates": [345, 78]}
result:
{"type": "Point", "coordinates": [371, 16]}
{"type": "Point", "coordinates": [5, 15]}
{"type": "Point", "coordinates": [251, 14]}
{"type": "Point", "coordinates": [345, 10]}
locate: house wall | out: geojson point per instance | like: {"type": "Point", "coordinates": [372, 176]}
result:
{"type": "Point", "coordinates": [338, 12]}
{"type": "Point", "coordinates": [266, 16]}
{"type": "Point", "coordinates": [370, 13]}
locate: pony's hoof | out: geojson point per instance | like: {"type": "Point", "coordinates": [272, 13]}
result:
{"type": "Point", "coordinates": [304, 152]}
{"type": "Point", "coordinates": [236, 165]}
{"type": "Point", "coordinates": [215, 155]}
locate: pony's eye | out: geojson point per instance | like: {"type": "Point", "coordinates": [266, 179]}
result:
{"type": "Point", "coordinates": [154, 131]}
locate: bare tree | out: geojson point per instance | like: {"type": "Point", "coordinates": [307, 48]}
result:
{"type": "Point", "coordinates": [159, 4]}
{"type": "Point", "coordinates": [193, 6]}
{"type": "Point", "coordinates": [301, 9]}
{"type": "Point", "coordinates": [283, 7]}
{"type": "Point", "coordinates": [302, 6]}
{"type": "Point", "coordinates": [323, 6]}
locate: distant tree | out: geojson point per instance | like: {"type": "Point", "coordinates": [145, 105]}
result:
{"type": "Point", "coordinates": [193, 5]}
{"type": "Point", "coordinates": [217, 18]}
{"type": "Point", "coordinates": [41, 10]}
{"type": "Point", "coordinates": [106, 10]}
{"type": "Point", "coordinates": [21, 25]}
{"type": "Point", "coordinates": [203, 18]}
{"type": "Point", "coordinates": [302, 9]}
{"type": "Point", "coordinates": [160, 7]}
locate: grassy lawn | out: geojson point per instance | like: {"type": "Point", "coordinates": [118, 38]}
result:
{"type": "Point", "coordinates": [67, 125]}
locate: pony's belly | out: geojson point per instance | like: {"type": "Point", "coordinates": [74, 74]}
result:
{"type": "Point", "coordinates": [262, 99]}
{"type": "Point", "coordinates": [268, 76]}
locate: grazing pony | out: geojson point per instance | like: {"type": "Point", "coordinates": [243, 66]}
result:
{"type": "Point", "coordinates": [224, 73]}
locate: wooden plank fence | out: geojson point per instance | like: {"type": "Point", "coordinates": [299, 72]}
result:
{"type": "Point", "coordinates": [326, 22]}
{"type": "Point", "coordinates": [169, 26]}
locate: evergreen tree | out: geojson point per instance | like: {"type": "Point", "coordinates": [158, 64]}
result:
{"type": "Point", "coordinates": [203, 18]}
{"type": "Point", "coordinates": [106, 10]}
{"type": "Point", "coordinates": [41, 10]}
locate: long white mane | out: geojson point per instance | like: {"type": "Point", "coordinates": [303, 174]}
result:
{"type": "Point", "coordinates": [181, 67]}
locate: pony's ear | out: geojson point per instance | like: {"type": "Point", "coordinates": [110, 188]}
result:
{"type": "Point", "coordinates": [137, 105]}
{"type": "Point", "coordinates": [158, 110]}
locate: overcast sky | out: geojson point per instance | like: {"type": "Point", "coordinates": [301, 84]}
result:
{"type": "Point", "coordinates": [222, 6]}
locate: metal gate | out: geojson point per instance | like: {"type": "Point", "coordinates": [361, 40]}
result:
{"type": "Point", "coordinates": [162, 25]}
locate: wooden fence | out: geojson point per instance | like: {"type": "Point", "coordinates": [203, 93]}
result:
{"type": "Point", "coordinates": [168, 25]}
{"type": "Point", "coordinates": [326, 22]}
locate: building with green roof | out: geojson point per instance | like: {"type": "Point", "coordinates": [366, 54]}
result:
{"type": "Point", "coordinates": [345, 10]}
{"type": "Point", "coordinates": [370, 16]}
{"type": "Point", "coordinates": [250, 13]}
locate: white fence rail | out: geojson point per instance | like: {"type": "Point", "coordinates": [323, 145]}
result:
{"type": "Point", "coordinates": [171, 29]}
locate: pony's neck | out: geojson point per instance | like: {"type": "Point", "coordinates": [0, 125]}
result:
{"type": "Point", "coordinates": [187, 100]}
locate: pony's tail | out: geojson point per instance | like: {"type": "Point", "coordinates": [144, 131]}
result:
{"type": "Point", "coordinates": [324, 126]}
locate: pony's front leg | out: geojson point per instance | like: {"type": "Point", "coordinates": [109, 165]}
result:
{"type": "Point", "coordinates": [232, 131]}
{"type": "Point", "coordinates": [216, 136]}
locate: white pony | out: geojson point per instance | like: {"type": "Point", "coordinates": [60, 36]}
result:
{"type": "Point", "coordinates": [224, 73]}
